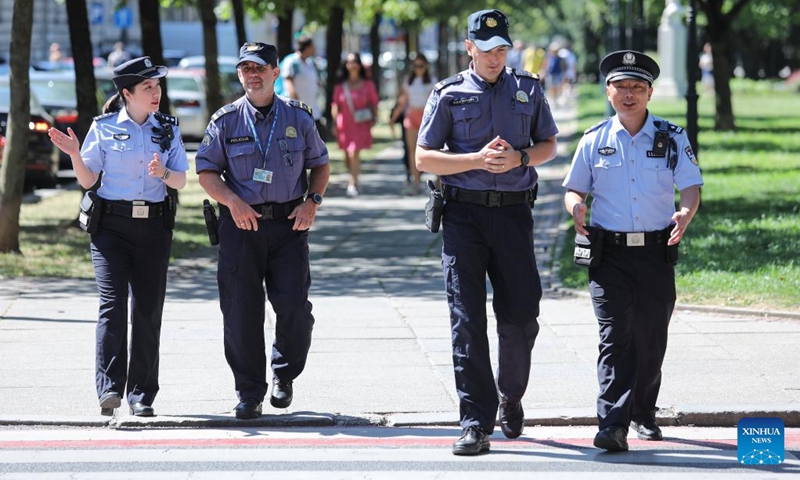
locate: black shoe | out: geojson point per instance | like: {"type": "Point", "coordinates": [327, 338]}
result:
{"type": "Point", "coordinates": [613, 439]}
{"type": "Point", "coordinates": [282, 394]}
{"type": "Point", "coordinates": [108, 402]}
{"type": "Point", "coordinates": [474, 441]}
{"type": "Point", "coordinates": [248, 408]}
{"type": "Point", "coordinates": [647, 430]}
{"type": "Point", "coordinates": [139, 409]}
{"type": "Point", "coordinates": [512, 418]}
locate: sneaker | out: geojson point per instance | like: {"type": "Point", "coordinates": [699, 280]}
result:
{"type": "Point", "coordinates": [352, 191]}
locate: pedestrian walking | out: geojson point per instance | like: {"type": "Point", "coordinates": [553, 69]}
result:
{"type": "Point", "coordinates": [139, 153]}
{"type": "Point", "coordinates": [631, 164]}
{"type": "Point", "coordinates": [301, 78]}
{"type": "Point", "coordinates": [355, 108]}
{"type": "Point", "coordinates": [484, 130]}
{"type": "Point", "coordinates": [253, 160]}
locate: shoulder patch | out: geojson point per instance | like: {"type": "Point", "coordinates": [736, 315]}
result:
{"type": "Point", "coordinates": [596, 126]}
{"type": "Point", "coordinates": [105, 115]}
{"type": "Point", "coordinates": [302, 106]}
{"type": "Point", "coordinates": [670, 126]}
{"type": "Point", "coordinates": [222, 111]}
{"type": "Point", "coordinates": [457, 78]}
{"type": "Point", "coordinates": [164, 118]}
{"type": "Point", "coordinates": [524, 73]}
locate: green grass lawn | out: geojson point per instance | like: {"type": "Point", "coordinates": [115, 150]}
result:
{"type": "Point", "coordinates": [743, 246]}
{"type": "Point", "coordinates": [53, 246]}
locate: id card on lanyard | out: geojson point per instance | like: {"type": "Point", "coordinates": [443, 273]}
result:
{"type": "Point", "coordinates": [263, 175]}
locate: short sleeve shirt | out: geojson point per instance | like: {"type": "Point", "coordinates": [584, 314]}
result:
{"type": "Point", "coordinates": [122, 149]}
{"type": "Point", "coordinates": [632, 189]}
{"type": "Point", "coordinates": [237, 135]}
{"type": "Point", "coordinates": [464, 113]}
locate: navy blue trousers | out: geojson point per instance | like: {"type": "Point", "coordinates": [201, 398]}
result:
{"type": "Point", "coordinates": [498, 242]}
{"type": "Point", "coordinates": [130, 255]}
{"type": "Point", "coordinates": [633, 294]}
{"type": "Point", "coordinates": [275, 256]}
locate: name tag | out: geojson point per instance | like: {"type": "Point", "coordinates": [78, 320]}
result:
{"type": "Point", "coordinates": [235, 140]}
{"type": "Point", "coordinates": [263, 176]}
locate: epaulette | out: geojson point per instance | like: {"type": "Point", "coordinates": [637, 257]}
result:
{"type": "Point", "coordinates": [524, 73]}
{"type": "Point", "coordinates": [222, 111]}
{"type": "Point", "coordinates": [302, 106]}
{"type": "Point", "coordinates": [457, 78]}
{"type": "Point", "coordinates": [671, 126]}
{"type": "Point", "coordinates": [596, 126]}
{"type": "Point", "coordinates": [164, 118]}
{"type": "Point", "coordinates": [105, 115]}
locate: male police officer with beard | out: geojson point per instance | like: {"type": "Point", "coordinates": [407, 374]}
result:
{"type": "Point", "coordinates": [496, 126]}
{"type": "Point", "coordinates": [253, 161]}
{"type": "Point", "coordinates": [631, 163]}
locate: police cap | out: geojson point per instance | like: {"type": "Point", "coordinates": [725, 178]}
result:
{"type": "Point", "coordinates": [626, 64]}
{"type": "Point", "coordinates": [488, 29]}
{"type": "Point", "coordinates": [135, 71]}
{"type": "Point", "coordinates": [258, 52]}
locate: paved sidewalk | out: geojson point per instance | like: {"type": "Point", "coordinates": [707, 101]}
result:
{"type": "Point", "coordinates": [381, 348]}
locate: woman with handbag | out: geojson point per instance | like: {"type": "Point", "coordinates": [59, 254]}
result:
{"type": "Point", "coordinates": [355, 108]}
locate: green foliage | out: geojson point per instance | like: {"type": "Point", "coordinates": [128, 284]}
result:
{"type": "Point", "coordinates": [741, 249]}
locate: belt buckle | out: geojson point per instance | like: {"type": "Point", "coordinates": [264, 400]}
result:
{"type": "Point", "coordinates": [140, 210]}
{"type": "Point", "coordinates": [267, 212]}
{"type": "Point", "coordinates": [634, 239]}
{"type": "Point", "coordinates": [494, 199]}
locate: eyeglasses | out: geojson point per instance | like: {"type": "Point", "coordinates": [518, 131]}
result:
{"type": "Point", "coordinates": [286, 155]}
{"type": "Point", "coordinates": [635, 88]}
{"type": "Point", "coordinates": [248, 69]}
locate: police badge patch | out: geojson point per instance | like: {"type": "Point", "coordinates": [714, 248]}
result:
{"type": "Point", "coordinates": [690, 154]}
{"type": "Point", "coordinates": [121, 136]}
{"type": "Point", "coordinates": [607, 151]}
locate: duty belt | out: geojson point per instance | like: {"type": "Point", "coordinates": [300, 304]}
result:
{"type": "Point", "coordinates": [269, 211]}
{"type": "Point", "coordinates": [136, 209]}
{"type": "Point", "coordinates": [637, 239]}
{"type": "Point", "coordinates": [489, 198]}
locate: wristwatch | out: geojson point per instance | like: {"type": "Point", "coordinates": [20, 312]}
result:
{"type": "Point", "coordinates": [316, 198]}
{"type": "Point", "coordinates": [524, 158]}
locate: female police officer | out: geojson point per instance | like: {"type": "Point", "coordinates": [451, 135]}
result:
{"type": "Point", "coordinates": [140, 153]}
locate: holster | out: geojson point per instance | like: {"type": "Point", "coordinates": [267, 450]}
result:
{"type": "Point", "coordinates": [433, 208]}
{"type": "Point", "coordinates": [589, 249]}
{"type": "Point", "coordinates": [91, 211]}
{"type": "Point", "coordinates": [170, 211]}
{"type": "Point", "coordinates": [210, 216]}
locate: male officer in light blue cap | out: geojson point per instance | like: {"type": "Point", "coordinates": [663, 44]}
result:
{"type": "Point", "coordinates": [631, 164]}
{"type": "Point", "coordinates": [483, 131]}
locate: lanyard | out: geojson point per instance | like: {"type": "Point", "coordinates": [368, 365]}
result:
{"type": "Point", "coordinates": [271, 131]}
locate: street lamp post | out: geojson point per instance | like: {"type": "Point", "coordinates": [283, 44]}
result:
{"type": "Point", "coordinates": [691, 76]}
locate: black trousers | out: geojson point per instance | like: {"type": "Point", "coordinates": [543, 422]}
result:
{"type": "Point", "coordinates": [633, 294]}
{"type": "Point", "coordinates": [130, 255]}
{"type": "Point", "coordinates": [498, 242]}
{"type": "Point", "coordinates": [275, 256]}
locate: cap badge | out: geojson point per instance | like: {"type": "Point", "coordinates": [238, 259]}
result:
{"type": "Point", "coordinates": [521, 96]}
{"type": "Point", "coordinates": [148, 63]}
{"type": "Point", "coordinates": [252, 47]}
{"type": "Point", "coordinates": [291, 132]}
{"type": "Point", "coordinates": [491, 22]}
{"type": "Point", "coordinates": [629, 59]}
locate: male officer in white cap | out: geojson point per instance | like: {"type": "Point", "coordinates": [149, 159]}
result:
{"type": "Point", "coordinates": [496, 127]}
{"type": "Point", "coordinates": [631, 164]}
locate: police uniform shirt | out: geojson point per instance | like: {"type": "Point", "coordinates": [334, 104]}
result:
{"type": "Point", "coordinates": [229, 148]}
{"type": "Point", "coordinates": [465, 115]}
{"type": "Point", "coordinates": [122, 149]}
{"type": "Point", "coordinates": [632, 190]}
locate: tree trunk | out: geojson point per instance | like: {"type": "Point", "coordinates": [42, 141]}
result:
{"type": "Point", "coordinates": [375, 48]}
{"type": "Point", "coordinates": [210, 50]}
{"type": "Point", "coordinates": [12, 172]}
{"type": "Point", "coordinates": [723, 116]}
{"type": "Point", "coordinates": [152, 46]}
{"type": "Point", "coordinates": [80, 38]}
{"type": "Point", "coordinates": [444, 53]}
{"type": "Point", "coordinates": [285, 19]}
{"type": "Point", "coordinates": [238, 18]}
{"type": "Point", "coordinates": [333, 52]}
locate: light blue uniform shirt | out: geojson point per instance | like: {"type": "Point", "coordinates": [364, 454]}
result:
{"type": "Point", "coordinates": [631, 191]}
{"type": "Point", "coordinates": [122, 149]}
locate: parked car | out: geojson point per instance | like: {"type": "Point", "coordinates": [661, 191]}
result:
{"type": "Point", "coordinates": [56, 93]}
{"type": "Point", "coordinates": [187, 94]}
{"type": "Point", "coordinates": [42, 165]}
{"type": "Point", "coordinates": [227, 68]}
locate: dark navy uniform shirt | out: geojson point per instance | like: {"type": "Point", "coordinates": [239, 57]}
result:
{"type": "Point", "coordinates": [229, 147]}
{"type": "Point", "coordinates": [122, 149]}
{"type": "Point", "coordinates": [464, 113]}
{"type": "Point", "coordinates": [632, 190]}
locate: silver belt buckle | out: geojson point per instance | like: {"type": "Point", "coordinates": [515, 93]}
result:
{"type": "Point", "coordinates": [634, 239]}
{"type": "Point", "coordinates": [140, 210]}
